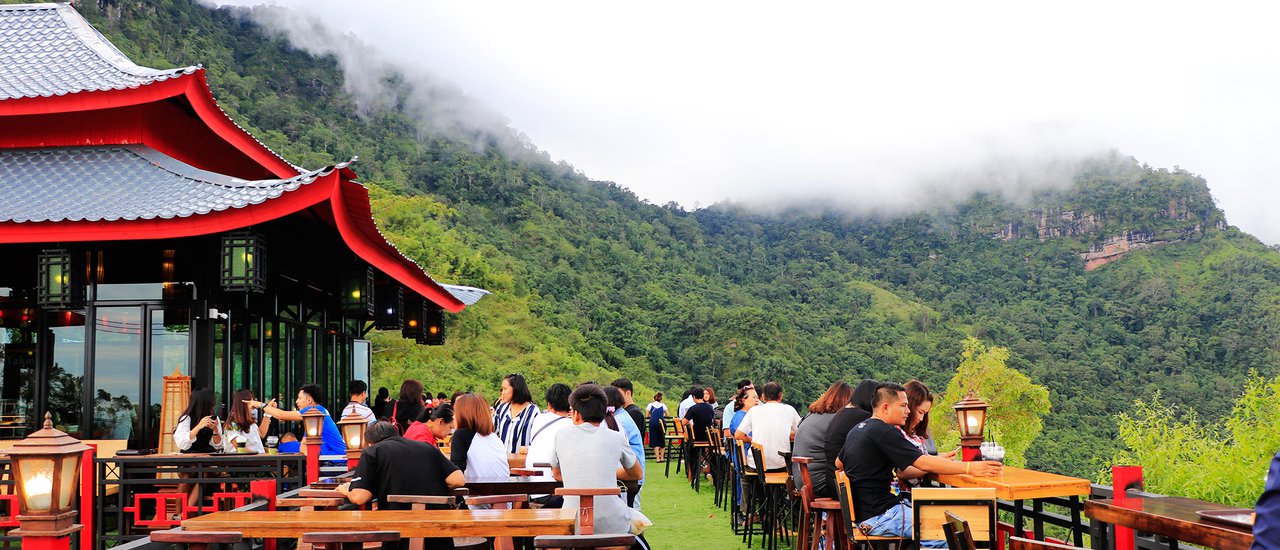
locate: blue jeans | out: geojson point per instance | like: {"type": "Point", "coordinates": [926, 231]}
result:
{"type": "Point", "coordinates": [897, 521]}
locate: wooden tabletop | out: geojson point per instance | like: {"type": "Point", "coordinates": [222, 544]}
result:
{"type": "Point", "coordinates": [410, 523]}
{"type": "Point", "coordinates": [1173, 517]}
{"type": "Point", "coordinates": [1020, 484]}
{"type": "Point", "coordinates": [513, 485]}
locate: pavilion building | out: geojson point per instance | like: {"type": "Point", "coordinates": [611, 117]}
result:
{"type": "Point", "coordinates": [144, 232]}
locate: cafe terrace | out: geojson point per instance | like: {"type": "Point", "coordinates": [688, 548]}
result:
{"type": "Point", "coordinates": [151, 245]}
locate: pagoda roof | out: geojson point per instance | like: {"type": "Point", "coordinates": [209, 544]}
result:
{"type": "Point", "coordinates": [50, 50]}
{"type": "Point", "coordinates": [133, 192]}
{"type": "Point", "coordinates": [125, 182]}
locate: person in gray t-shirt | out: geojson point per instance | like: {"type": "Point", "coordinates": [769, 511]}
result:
{"type": "Point", "coordinates": [590, 456]}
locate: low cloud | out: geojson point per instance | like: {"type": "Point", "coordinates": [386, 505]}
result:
{"type": "Point", "coordinates": [874, 107]}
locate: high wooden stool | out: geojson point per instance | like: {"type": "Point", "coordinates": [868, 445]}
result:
{"type": "Point", "coordinates": [347, 540]}
{"type": "Point", "coordinates": [195, 540]}
{"type": "Point", "coordinates": [597, 542]}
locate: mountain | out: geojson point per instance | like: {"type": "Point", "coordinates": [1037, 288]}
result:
{"type": "Point", "coordinates": [1126, 283]}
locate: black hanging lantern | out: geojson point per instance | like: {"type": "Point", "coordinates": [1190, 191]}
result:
{"type": "Point", "coordinates": [414, 310]}
{"type": "Point", "coordinates": [389, 308]}
{"type": "Point", "coordinates": [432, 327]}
{"type": "Point", "coordinates": [59, 284]}
{"type": "Point", "coordinates": [243, 262]}
{"type": "Point", "coordinates": [358, 294]}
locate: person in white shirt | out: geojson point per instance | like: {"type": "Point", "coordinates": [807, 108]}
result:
{"type": "Point", "coordinates": [728, 407]}
{"type": "Point", "coordinates": [545, 426]}
{"type": "Point", "coordinates": [359, 392]}
{"type": "Point", "coordinates": [688, 401]}
{"type": "Point", "coordinates": [772, 424]}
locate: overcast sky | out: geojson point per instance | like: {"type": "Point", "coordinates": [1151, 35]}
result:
{"type": "Point", "coordinates": [697, 102]}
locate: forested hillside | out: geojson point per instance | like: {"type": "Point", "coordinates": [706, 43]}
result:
{"type": "Point", "coordinates": [591, 282]}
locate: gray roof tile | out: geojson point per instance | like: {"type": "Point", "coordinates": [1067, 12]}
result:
{"type": "Point", "coordinates": [49, 49]}
{"type": "Point", "coordinates": [131, 182]}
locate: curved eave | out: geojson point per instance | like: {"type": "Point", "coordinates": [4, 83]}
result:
{"type": "Point", "coordinates": [348, 200]}
{"type": "Point", "coordinates": [193, 86]}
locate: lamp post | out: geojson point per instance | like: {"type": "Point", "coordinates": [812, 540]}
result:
{"type": "Point", "coordinates": [971, 414]}
{"type": "Point", "coordinates": [352, 427]}
{"type": "Point", "coordinates": [313, 426]}
{"type": "Point", "coordinates": [46, 467]}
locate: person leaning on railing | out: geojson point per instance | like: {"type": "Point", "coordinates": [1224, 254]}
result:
{"type": "Point", "coordinates": [309, 397]}
{"type": "Point", "coordinates": [876, 448]}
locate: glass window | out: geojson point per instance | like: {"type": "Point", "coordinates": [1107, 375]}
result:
{"type": "Point", "coordinates": [17, 383]}
{"type": "Point", "coordinates": [117, 358]}
{"type": "Point", "coordinates": [66, 378]}
{"type": "Point", "coordinates": [170, 351]}
{"type": "Point", "coordinates": [360, 360]}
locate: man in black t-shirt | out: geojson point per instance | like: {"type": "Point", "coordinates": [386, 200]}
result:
{"type": "Point", "coordinates": [700, 417]}
{"type": "Point", "coordinates": [393, 465]}
{"type": "Point", "coordinates": [875, 449]}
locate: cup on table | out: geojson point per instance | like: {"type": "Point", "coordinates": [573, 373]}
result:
{"type": "Point", "coordinates": [272, 443]}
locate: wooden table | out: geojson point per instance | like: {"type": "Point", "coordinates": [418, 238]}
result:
{"type": "Point", "coordinates": [410, 523]}
{"type": "Point", "coordinates": [1173, 517]}
{"type": "Point", "coordinates": [1018, 484]}
{"type": "Point", "coordinates": [513, 485]}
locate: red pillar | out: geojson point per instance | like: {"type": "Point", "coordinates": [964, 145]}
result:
{"type": "Point", "coordinates": [88, 489]}
{"type": "Point", "coordinates": [1124, 478]}
{"type": "Point", "coordinates": [313, 460]}
{"type": "Point", "coordinates": [49, 543]}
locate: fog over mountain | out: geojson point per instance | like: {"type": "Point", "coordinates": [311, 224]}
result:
{"type": "Point", "coordinates": [869, 107]}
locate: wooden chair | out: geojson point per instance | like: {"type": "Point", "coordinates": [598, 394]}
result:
{"type": "Point", "coordinates": [597, 542]}
{"type": "Point", "coordinates": [195, 540]}
{"type": "Point", "coordinates": [931, 506]}
{"type": "Point", "coordinates": [959, 536]}
{"type": "Point", "coordinates": [1019, 543]}
{"type": "Point", "coordinates": [854, 536]}
{"type": "Point", "coordinates": [347, 540]}
{"type": "Point", "coordinates": [587, 505]}
{"type": "Point", "coordinates": [820, 514]}
{"type": "Point", "coordinates": [675, 445]}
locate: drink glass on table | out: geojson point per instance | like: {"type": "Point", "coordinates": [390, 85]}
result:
{"type": "Point", "coordinates": [995, 453]}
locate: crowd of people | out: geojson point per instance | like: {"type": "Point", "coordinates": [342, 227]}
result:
{"type": "Point", "coordinates": [591, 436]}
{"type": "Point", "coordinates": [877, 433]}
{"type": "Point", "coordinates": [588, 436]}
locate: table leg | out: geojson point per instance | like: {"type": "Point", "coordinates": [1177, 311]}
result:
{"type": "Point", "coordinates": [1037, 506]}
{"type": "Point", "coordinates": [1077, 528]}
{"type": "Point", "coordinates": [1018, 520]}
{"type": "Point", "coordinates": [1098, 534]}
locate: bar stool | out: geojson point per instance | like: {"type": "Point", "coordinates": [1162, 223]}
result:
{"type": "Point", "coordinates": [597, 542]}
{"type": "Point", "coordinates": [819, 513]}
{"type": "Point", "coordinates": [675, 445]}
{"type": "Point", "coordinates": [347, 540]}
{"type": "Point", "coordinates": [195, 540]}
{"type": "Point", "coordinates": [844, 490]}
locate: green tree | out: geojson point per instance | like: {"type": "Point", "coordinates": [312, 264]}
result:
{"type": "Point", "coordinates": [1017, 404]}
{"type": "Point", "coordinates": [1215, 461]}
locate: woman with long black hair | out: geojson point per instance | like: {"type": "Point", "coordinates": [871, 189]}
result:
{"type": "Point", "coordinates": [514, 414]}
{"type": "Point", "coordinates": [198, 431]}
{"type": "Point", "coordinates": [240, 425]}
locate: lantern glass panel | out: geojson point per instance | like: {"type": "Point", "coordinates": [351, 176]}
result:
{"type": "Point", "coordinates": [313, 424]}
{"type": "Point", "coordinates": [67, 478]}
{"type": "Point", "coordinates": [353, 434]}
{"type": "Point", "coordinates": [37, 482]}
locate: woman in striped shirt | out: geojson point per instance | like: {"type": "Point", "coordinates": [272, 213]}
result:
{"type": "Point", "coordinates": [514, 414]}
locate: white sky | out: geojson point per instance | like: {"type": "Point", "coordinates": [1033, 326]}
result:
{"type": "Point", "coordinates": [701, 101]}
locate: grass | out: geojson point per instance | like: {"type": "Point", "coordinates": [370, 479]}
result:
{"type": "Point", "coordinates": [681, 517]}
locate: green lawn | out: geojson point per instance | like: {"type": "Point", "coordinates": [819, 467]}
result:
{"type": "Point", "coordinates": [682, 518]}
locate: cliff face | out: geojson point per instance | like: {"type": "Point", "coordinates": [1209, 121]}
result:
{"type": "Point", "coordinates": [1175, 222]}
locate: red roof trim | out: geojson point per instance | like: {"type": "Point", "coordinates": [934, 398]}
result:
{"type": "Point", "coordinates": [354, 217]}
{"type": "Point", "coordinates": [193, 86]}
